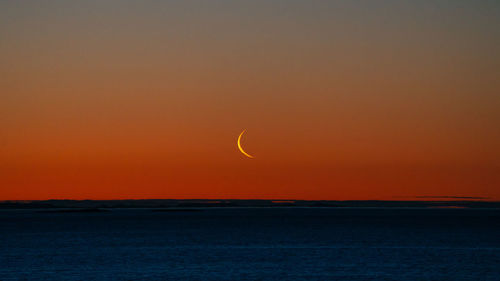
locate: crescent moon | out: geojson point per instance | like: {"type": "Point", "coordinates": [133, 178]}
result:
{"type": "Point", "coordinates": [241, 149]}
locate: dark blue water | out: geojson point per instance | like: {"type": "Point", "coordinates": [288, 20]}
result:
{"type": "Point", "coordinates": [251, 244]}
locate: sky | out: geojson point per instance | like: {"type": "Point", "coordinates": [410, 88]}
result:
{"type": "Point", "coordinates": [340, 100]}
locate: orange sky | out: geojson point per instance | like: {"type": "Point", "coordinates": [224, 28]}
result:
{"type": "Point", "coordinates": [344, 100]}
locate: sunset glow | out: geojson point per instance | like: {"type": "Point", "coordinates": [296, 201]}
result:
{"type": "Point", "coordinates": [107, 100]}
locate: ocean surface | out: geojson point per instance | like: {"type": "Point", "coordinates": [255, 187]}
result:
{"type": "Point", "coordinates": [251, 244]}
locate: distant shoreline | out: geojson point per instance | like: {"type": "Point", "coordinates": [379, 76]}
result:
{"type": "Point", "coordinates": [228, 203]}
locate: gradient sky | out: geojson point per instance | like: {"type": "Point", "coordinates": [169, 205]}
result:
{"type": "Point", "coordinates": [340, 99]}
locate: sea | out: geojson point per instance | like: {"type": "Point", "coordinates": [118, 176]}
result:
{"type": "Point", "coordinates": [276, 243]}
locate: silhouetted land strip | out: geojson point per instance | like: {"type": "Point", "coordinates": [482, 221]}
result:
{"type": "Point", "coordinates": [76, 210]}
{"type": "Point", "coordinates": [168, 205]}
{"type": "Point", "coordinates": [176, 210]}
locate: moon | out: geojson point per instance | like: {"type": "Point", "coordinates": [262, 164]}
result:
{"type": "Point", "coordinates": [241, 148]}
